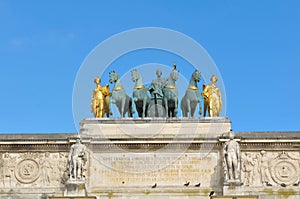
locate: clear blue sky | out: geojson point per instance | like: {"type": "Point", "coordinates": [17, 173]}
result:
{"type": "Point", "coordinates": [255, 44]}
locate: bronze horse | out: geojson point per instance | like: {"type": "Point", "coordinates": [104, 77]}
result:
{"type": "Point", "coordinates": [119, 96]}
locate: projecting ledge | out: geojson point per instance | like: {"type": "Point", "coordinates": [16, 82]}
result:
{"type": "Point", "coordinates": [165, 128]}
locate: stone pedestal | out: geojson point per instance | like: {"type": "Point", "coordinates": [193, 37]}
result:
{"type": "Point", "coordinates": [75, 188]}
{"type": "Point", "coordinates": [233, 188]}
{"type": "Point", "coordinates": [154, 128]}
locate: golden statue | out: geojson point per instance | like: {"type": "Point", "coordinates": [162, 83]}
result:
{"type": "Point", "coordinates": [100, 105]}
{"type": "Point", "coordinates": [212, 98]}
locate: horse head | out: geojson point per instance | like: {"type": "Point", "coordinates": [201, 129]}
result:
{"type": "Point", "coordinates": [135, 75]}
{"type": "Point", "coordinates": [113, 76]}
{"type": "Point", "coordinates": [196, 75]}
{"type": "Point", "coordinates": [174, 74]}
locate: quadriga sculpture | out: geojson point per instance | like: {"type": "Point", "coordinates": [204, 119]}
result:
{"type": "Point", "coordinates": [191, 98]}
{"type": "Point", "coordinates": [140, 96]}
{"type": "Point", "coordinates": [170, 92]}
{"type": "Point", "coordinates": [119, 96]}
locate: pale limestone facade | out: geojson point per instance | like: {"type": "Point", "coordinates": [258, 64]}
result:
{"type": "Point", "coordinates": [151, 158]}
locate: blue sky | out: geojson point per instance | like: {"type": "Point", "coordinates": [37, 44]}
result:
{"type": "Point", "coordinates": [255, 45]}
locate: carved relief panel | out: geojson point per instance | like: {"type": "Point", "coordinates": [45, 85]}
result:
{"type": "Point", "coordinates": [33, 169]}
{"type": "Point", "coordinates": [270, 168]}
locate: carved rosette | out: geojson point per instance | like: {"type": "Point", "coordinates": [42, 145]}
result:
{"type": "Point", "coordinates": [284, 170]}
{"type": "Point", "coordinates": [27, 171]}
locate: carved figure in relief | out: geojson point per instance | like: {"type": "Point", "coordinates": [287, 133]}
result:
{"type": "Point", "coordinates": [76, 160]}
{"type": "Point", "coordinates": [248, 168]}
{"type": "Point", "coordinates": [62, 167]}
{"type": "Point", "coordinates": [1, 169]}
{"type": "Point", "coordinates": [8, 169]}
{"type": "Point", "coordinates": [46, 169]}
{"type": "Point", "coordinates": [191, 98]}
{"type": "Point", "coordinates": [264, 168]}
{"type": "Point", "coordinates": [156, 108]}
{"type": "Point", "coordinates": [212, 98]}
{"type": "Point", "coordinates": [100, 105]}
{"type": "Point", "coordinates": [232, 159]}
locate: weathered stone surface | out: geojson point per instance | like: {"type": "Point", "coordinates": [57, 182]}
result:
{"type": "Point", "coordinates": [155, 127]}
{"type": "Point", "coordinates": [146, 169]}
{"type": "Point", "coordinates": [174, 154]}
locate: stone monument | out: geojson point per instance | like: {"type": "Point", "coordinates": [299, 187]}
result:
{"type": "Point", "coordinates": [151, 157]}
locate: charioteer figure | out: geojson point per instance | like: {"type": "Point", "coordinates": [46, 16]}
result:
{"type": "Point", "coordinates": [156, 108]}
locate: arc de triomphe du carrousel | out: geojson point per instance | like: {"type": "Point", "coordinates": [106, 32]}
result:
{"type": "Point", "coordinates": [159, 138]}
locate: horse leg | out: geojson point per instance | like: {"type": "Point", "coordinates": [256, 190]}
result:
{"type": "Point", "coordinates": [183, 108]}
{"type": "Point", "coordinates": [144, 107]}
{"type": "Point", "coordinates": [200, 107]}
{"type": "Point", "coordinates": [193, 111]}
{"type": "Point", "coordinates": [166, 107]}
{"type": "Point", "coordinates": [131, 107]}
{"type": "Point", "coordinates": [188, 104]}
{"type": "Point", "coordinates": [147, 106]}
{"type": "Point", "coordinates": [123, 102]}
{"type": "Point", "coordinates": [176, 107]}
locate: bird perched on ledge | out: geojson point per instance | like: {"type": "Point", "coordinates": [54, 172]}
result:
{"type": "Point", "coordinates": [187, 184]}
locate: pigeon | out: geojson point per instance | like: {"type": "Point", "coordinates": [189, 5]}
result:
{"type": "Point", "coordinates": [211, 193]}
{"type": "Point", "coordinates": [154, 186]}
{"type": "Point", "coordinates": [187, 184]}
{"type": "Point", "coordinates": [283, 185]}
{"type": "Point", "coordinates": [297, 183]}
{"type": "Point", "coordinates": [198, 185]}
{"type": "Point", "coordinates": [268, 184]}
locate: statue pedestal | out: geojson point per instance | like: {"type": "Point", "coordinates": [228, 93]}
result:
{"type": "Point", "coordinates": [75, 188]}
{"type": "Point", "coordinates": [154, 128]}
{"type": "Point", "coordinates": [233, 187]}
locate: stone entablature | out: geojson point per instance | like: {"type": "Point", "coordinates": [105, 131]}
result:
{"type": "Point", "coordinates": [127, 165]}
